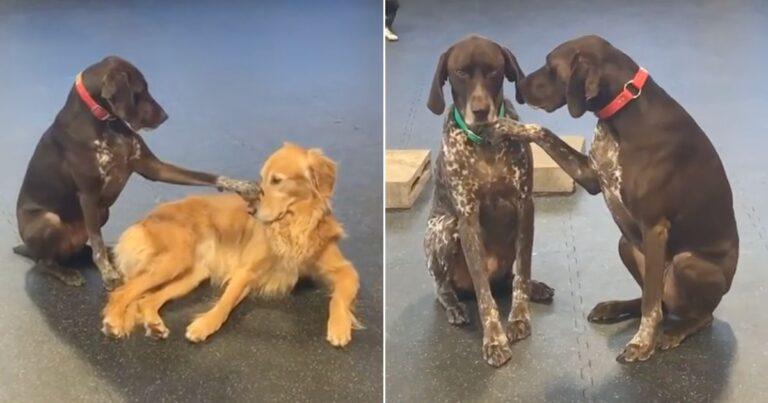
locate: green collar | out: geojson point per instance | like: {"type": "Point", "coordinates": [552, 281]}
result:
{"type": "Point", "coordinates": [463, 126]}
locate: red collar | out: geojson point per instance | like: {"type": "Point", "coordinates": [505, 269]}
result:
{"type": "Point", "coordinates": [97, 110]}
{"type": "Point", "coordinates": [626, 95]}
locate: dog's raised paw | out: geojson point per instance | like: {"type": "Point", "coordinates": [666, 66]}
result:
{"type": "Point", "coordinates": [635, 352]}
{"type": "Point", "coordinates": [518, 329]}
{"type": "Point", "coordinates": [457, 315]}
{"type": "Point", "coordinates": [497, 352]}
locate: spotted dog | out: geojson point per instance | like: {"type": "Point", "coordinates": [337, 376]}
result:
{"type": "Point", "coordinates": [663, 183]}
{"type": "Point", "coordinates": [83, 161]}
{"type": "Point", "coordinates": [481, 223]}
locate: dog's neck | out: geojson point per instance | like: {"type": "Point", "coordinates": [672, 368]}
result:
{"type": "Point", "coordinates": [293, 235]}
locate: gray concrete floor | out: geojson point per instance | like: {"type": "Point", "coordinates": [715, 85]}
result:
{"type": "Point", "coordinates": [710, 56]}
{"type": "Point", "coordinates": [237, 81]}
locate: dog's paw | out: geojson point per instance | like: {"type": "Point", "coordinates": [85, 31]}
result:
{"type": "Point", "coordinates": [457, 315]}
{"type": "Point", "coordinates": [518, 329]}
{"type": "Point", "coordinates": [200, 329]}
{"type": "Point", "coordinates": [497, 352]}
{"type": "Point", "coordinates": [113, 327]}
{"type": "Point", "coordinates": [541, 292]}
{"type": "Point", "coordinates": [156, 330]}
{"type": "Point", "coordinates": [339, 329]}
{"type": "Point", "coordinates": [636, 352]}
{"type": "Point", "coordinates": [668, 342]}
{"type": "Point", "coordinates": [607, 312]}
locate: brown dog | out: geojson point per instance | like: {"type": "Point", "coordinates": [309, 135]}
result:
{"type": "Point", "coordinates": [662, 181]}
{"type": "Point", "coordinates": [82, 163]}
{"type": "Point", "coordinates": [180, 244]}
{"type": "Point", "coordinates": [480, 230]}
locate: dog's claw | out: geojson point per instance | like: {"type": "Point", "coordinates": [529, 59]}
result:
{"type": "Point", "coordinates": [518, 329]}
{"type": "Point", "coordinates": [635, 352]}
{"type": "Point", "coordinates": [113, 330]}
{"type": "Point", "coordinates": [497, 352]}
{"type": "Point", "coordinates": [668, 342]}
{"type": "Point", "coordinates": [457, 315]}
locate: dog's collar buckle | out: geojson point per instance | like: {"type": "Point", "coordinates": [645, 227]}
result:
{"type": "Point", "coordinates": [626, 95]}
{"type": "Point", "coordinates": [98, 111]}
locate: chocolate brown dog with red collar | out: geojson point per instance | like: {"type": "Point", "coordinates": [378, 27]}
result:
{"type": "Point", "coordinates": [663, 183]}
{"type": "Point", "coordinates": [83, 161]}
{"type": "Point", "coordinates": [481, 222]}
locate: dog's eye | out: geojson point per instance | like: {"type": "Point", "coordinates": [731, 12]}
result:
{"type": "Point", "coordinates": [275, 180]}
{"type": "Point", "coordinates": [493, 74]}
{"type": "Point", "coordinates": [462, 73]}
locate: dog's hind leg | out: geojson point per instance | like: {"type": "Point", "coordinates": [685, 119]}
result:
{"type": "Point", "coordinates": [616, 311]}
{"type": "Point", "coordinates": [149, 306]}
{"type": "Point", "coordinates": [160, 270]}
{"type": "Point", "coordinates": [441, 246]}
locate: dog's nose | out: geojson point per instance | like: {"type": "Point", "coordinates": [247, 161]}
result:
{"type": "Point", "coordinates": [163, 116]}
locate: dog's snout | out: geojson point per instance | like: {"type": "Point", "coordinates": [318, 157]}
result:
{"type": "Point", "coordinates": [163, 116]}
{"type": "Point", "coordinates": [481, 112]}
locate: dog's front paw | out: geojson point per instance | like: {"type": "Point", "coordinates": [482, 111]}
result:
{"type": "Point", "coordinates": [114, 327]}
{"type": "Point", "coordinates": [200, 329]}
{"type": "Point", "coordinates": [636, 352]}
{"type": "Point", "coordinates": [496, 351]}
{"type": "Point", "coordinates": [339, 329]}
{"type": "Point", "coordinates": [156, 330]}
{"type": "Point", "coordinates": [457, 315]}
{"type": "Point", "coordinates": [518, 329]}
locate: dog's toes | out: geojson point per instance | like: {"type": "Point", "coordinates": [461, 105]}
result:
{"type": "Point", "coordinates": [497, 352]}
{"type": "Point", "coordinates": [518, 329]}
{"type": "Point", "coordinates": [606, 312]}
{"type": "Point", "coordinates": [156, 330]}
{"type": "Point", "coordinates": [635, 352]}
{"type": "Point", "coordinates": [339, 329]}
{"type": "Point", "coordinates": [541, 292]}
{"type": "Point", "coordinates": [199, 330]}
{"type": "Point", "coordinates": [668, 342]}
{"type": "Point", "coordinates": [457, 315]}
{"type": "Point", "coordinates": [113, 328]}
{"type": "Point", "coordinates": [339, 339]}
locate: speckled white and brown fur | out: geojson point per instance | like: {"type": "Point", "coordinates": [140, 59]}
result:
{"type": "Point", "coordinates": [494, 181]}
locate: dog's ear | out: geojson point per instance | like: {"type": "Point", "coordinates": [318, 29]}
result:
{"type": "Point", "coordinates": [115, 89]}
{"type": "Point", "coordinates": [322, 171]}
{"type": "Point", "coordinates": [436, 102]}
{"type": "Point", "coordinates": [583, 85]}
{"type": "Point", "coordinates": [513, 72]}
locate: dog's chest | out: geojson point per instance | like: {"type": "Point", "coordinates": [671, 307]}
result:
{"type": "Point", "coordinates": [113, 155]}
{"type": "Point", "coordinates": [604, 159]}
{"type": "Point", "coordinates": [476, 174]}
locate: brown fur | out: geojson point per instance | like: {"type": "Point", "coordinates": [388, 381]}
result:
{"type": "Point", "coordinates": [180, 244]}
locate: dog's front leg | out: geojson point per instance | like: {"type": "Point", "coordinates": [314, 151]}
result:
{"type": "Point", "coordinates": [644, 343]}
{"type": "Point", "coordinates": [496, 349]}
{"type": "Point", "coordinates": [208, 323]}
{"type": "Point", "coordinates": [574, 163]}
{"type": "Point", "coordinates": [519, 322]}
{"type": "Point", "coordinates": [89, 203]}
{"type": "Point", "coordinates": [344, 282]}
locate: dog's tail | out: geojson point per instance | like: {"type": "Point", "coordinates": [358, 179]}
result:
{"type": "Point", "coordinates": [133, 251]}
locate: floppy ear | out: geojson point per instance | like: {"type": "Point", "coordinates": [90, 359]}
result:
{"type": "Point", "coordinates": [323, 172]}
{"type": "Point", "coordinates": [513, 72]}
{"type": "Point", "coordinates": [583, 85]}
{"type": "Point", "coordinates": [436, 102]}
{"type": "Point", "coordinates": [115, 89]}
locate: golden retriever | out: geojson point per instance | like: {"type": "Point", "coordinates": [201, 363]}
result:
{"type": "Point", "coordinates": [180, 244]}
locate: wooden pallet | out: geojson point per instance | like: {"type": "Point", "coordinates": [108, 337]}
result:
{"type": "Point", "coordinates": [407, 171]}
{"type": "Point", "coordinates": [548, 177]}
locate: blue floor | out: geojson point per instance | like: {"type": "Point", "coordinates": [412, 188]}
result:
{"type": "Point", "coordinates": [711, 56]}
{"type": "Point", "coordinates": [237, 79]}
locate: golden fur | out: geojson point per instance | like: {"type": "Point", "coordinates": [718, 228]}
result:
{"type": "Point", "coordinates": [180, 244]}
